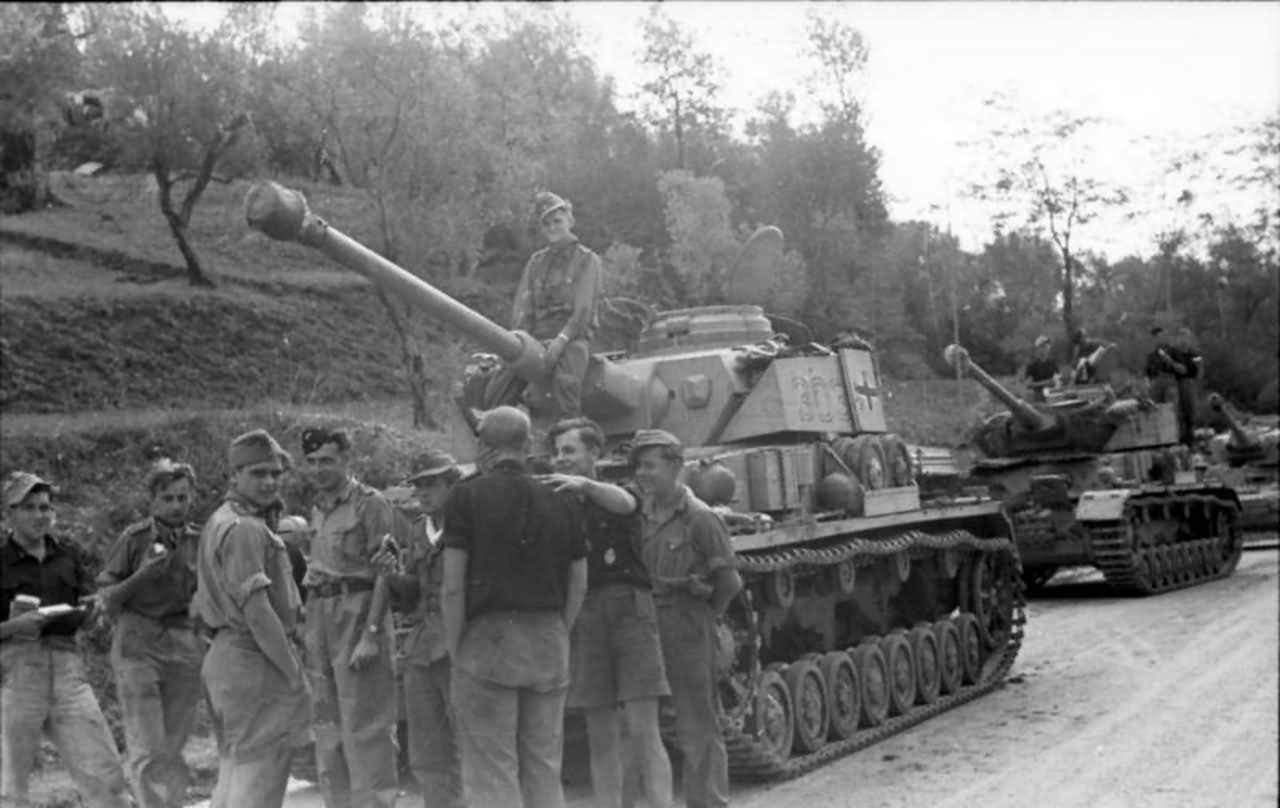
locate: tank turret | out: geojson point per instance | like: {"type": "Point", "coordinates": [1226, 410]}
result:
{"type": "Point", "coordinates": [1084, 419]}
{"type": "Point", "coordinates": [710, 375]}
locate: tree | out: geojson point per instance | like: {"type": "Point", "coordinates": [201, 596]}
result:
{"type": "Point", "coordinates": [682, 83]}
{"type": "Point", "coordinates": [1041, 183]}
{"type": "Point", "coordinates": [40, 61]}
{"type": "Point", "coordinates": [186, 89]}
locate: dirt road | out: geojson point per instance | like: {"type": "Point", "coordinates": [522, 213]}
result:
{"type": "Point", "coordinates": [1169, 701]}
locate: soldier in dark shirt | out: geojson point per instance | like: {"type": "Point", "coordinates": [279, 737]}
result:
{"type": "Point", "coordinates": [147, 582]}
{"type": "Point", "coordinates": [1041, 372]}
{"type": "Point", "coordinates": [1186, 370]}
{"type": "Point", "coordinates": [615, 654]}
{"type": "Point", "coordinates": [1160, 367]}
{"type": "Point", "coordinates": [515, 573]}
{"type": "Point", "coordinates": [43, 684]}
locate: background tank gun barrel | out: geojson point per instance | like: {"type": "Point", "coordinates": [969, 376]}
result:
{"type": "Point", "coordinates": [1240, 438]}
{"type": "Point", "coordinates": [1025, 414]}
{"type": "Point", "coordinates": [283, 215]}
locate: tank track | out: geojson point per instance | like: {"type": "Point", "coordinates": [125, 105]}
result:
{"type": "Point", "coordinates": [747, 757]}
{"type": "Point", "coordinates": [1131, 564]}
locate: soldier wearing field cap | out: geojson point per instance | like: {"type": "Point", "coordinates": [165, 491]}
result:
{"type": "Point", "coordinates": [687, 552]}
{"type": "Point", "coordinates": [147, 582]}
{"type": "Point", "coordinates": [556, 303]}
{"type": "Point", "coordinates": [348, 630]}
{"type": "Point", "coordinates": [43, 685]}
{"type": "Point", "coordinates": [433, 752]}
{"type": "Point", "coordinates": [253, 674]}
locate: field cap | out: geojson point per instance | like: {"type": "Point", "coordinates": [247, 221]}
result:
{"type": "Point", "coordinates": [1042, 340]}
{"type": "Point", "coordinates": [548, 203]}
{"type": "Point", "coordinates": [431, 463]}
{"type": "Point", "coordinates": [256, 446]}
{"type": "Point", "coordinates": [648, 438]}
{"type": "Point", "coordinates": [18, 485]}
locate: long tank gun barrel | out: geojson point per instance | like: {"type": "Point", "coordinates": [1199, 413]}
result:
{"type": "Point", "coordinates": [1025, 414]}
{"type": "Point", "coordinates": [1240, 439]}
{"type": "Point", "coordinates": [283, 215]}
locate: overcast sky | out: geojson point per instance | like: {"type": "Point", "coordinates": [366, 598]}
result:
{"type": "Point", "coordinates": [1161, 74]}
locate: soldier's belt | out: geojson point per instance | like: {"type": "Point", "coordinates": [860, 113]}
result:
{"type": "Point", "coordinates": [331, 589]}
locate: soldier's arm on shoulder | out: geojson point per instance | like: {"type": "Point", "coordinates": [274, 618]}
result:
{"type": "Point", "coordinates": [586, 295]}
{"type": "Point", "coordinates": [243, 559]}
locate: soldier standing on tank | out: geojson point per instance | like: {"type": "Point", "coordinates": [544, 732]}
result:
{"type": "Point", "coordinates": [43, 684]}
{"type": "Point", "coordinates": [556, 303]}
{"type": "Point", "coordinates": [1186, 371]}
{"type": "Point", "coordinates": [689, 557]}
{"type": "Point", "coordinates": [615, 653]}
{"type": "Point", "coordinates": [348, 630]}
{"type": "Point", "coordinates": [1160, 368]}
{"type": "Point", "coordinates": [515, 573]}
{"type": "Point", "coordinates": [433, 752]}
{"type": "Point", "coordinates": [253, 674]}
{"type": "Point", "coordinates": [148, 581]}
{"type": "Point", "coordinates": [1041, 372]}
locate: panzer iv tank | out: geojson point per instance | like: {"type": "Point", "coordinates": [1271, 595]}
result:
{"type": "Point", "coordinates": [1247, 458]}
{"type": "Point", "coordinates": [865, 610]}
{"type": "Point", "coordinates": [1094, 480]}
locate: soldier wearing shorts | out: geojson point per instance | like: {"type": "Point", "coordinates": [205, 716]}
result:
{"type": "Point", "coordinates": [615, 654]}
{"type": "Point", "coordinates": [690, 561]}
{"type": "Point", "coordinates": [147, 582]}
{"type": "Point", "coordinates": [253, 675]}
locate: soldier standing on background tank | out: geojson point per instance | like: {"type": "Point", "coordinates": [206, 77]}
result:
{"type": "Point", "coordinates": [1041, 372]}
{"type": "Point", "coordinates": [348, 629]}
{"type": "Point", "coordinates": [688, 554]}
{"type": "Point", "coordinates": [1186, 370]}
{"type": "Point", "coordinates": [515, 572]}
{"type": "Point", "coordinates": [148, 581]}
{"type": "Point", "coordinates": [1159, 369]}
{"type": "Point", "coordinates": [1084, 356]}
{"type": "Point", "coordinates": [253, 676]}
{"type": "Point", "coordinates": [556, 303]}
{"type": "Point", "coordinates": [433, 752]}
{"type": "Point", "coordinates": [43, 684]}
{"type": "Point", "coordinates": [615, 654]}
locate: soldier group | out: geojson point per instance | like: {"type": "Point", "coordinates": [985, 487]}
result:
{"type": "Point", "coordinates": [527, 594]}
{"type": "Point", "coordinates": [1171, 371]}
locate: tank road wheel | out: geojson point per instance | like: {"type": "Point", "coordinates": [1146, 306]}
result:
{"type": "Point", "coordinates": [809, 704]}
{"type": "Point", "coordinates": [868, 462]}
{"type": "Point", "coordinates": [971, 648]}
{"type": "Point", "coordinates": [990, 597]}
{"type": "Point", "coordinates": [844, 693]}
{"type": "Point", "coordinates": [774, 724]}
{"type": "Point", "coordinates": [780, 586]}
{"type": "Point", "coordinates": [950, 665]}
{"type": "Point", "coordinates": [873, 672]}
{"type": "Point", "coordinates": [902, 672]}
{"type": "Point", "coordinates": [1158, 569]}
{"type": "Point", "coordinates": [924, 646]}
{"type": "Point", "coordinates": [844, 577]}
{"type": "Point", "coordinates": [902, 566]}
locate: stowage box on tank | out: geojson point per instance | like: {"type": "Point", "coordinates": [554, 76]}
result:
{"type": "Point", "coordinates": [867, 607]}
{"type": "Point", "coordinates": [1092, 479]}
